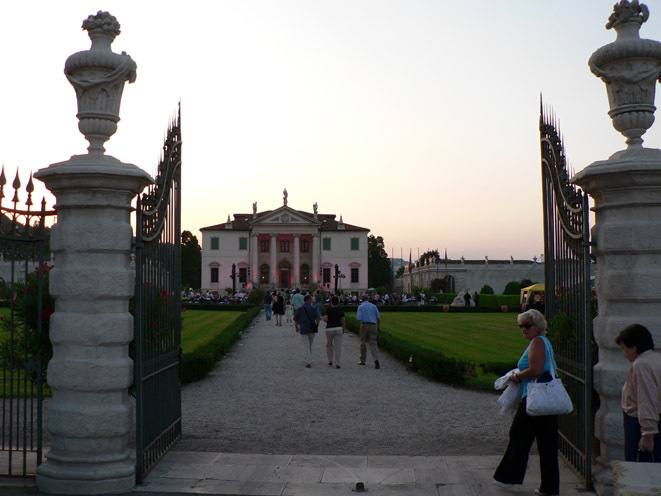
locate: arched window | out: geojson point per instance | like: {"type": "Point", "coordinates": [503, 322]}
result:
{"type": "Point", "coordinates": [264, 274]}
{"type": "Point", "coordinates": [305, 274]}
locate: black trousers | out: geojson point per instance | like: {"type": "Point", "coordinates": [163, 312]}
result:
{"type": "Point", "coordinates": [524, 430]}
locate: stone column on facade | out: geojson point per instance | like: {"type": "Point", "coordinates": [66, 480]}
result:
{"type": "Point", "coordinates": [316, 275]}
{"type": "Point", "coordinates": [255, 272]}
{"type": "Point", "coordinates": [274, 268]}
{"type": "Point", "coordinates": [90, 416]}
{"type": "Point", "coordinates": [297, 260]}
{"type": "Point", "coordinates": [626, 190]}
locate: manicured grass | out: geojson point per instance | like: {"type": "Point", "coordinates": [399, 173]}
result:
{"type": "Point", "coordinates": [199, 327]}
{"type": "Point", "coordinates": [478, 337]}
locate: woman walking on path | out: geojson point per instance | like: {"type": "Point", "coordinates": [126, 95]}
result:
{"type": "Point", "coordinates": [335, 326]}
{"type": "Point", "coordinates": [289, 309]}
{"type": "Point", "coordinates": [641, 395]}
{"type": "Point", "coordinates": [535, 363]}
{"type": "Point", "coordinates": [278, 307]}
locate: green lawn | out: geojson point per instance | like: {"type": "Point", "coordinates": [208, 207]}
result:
{"type": "Point", "coordinates": [475, 337]}
{"type": "Point", "coordinates": [478, 337]}
{"type": "Point", "coordinates": [198, 327]}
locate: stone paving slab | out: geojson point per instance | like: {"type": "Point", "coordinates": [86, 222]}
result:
{"type": "Point", "coordinates": [310, 475]}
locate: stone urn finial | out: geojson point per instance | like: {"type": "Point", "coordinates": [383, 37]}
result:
{"type": "Point", "coordinates": [630, 67]}
{"type": "Point", "coordinates": [98, 76]}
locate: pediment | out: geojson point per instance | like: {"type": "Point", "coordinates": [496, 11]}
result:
{"type": "Point", "coordinates": [285, 216]}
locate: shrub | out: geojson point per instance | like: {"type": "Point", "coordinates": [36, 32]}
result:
{"type": "Point", "coordinates": [498, 368]}
{"type": "Point", "coordinates": [445, 298]}
{"type": "Point", "coordinates": [256, 296]}
{"type": "Point", "coordinates": [199, 362]}
{"type": "Point", "coordinates": [486, 289]}
{"type": "Point", "coordinates": [512, 288]}
{"type": "Point", "coordinates": [496, 301]}
{"type": "Point", "coordinates": [26, 340]}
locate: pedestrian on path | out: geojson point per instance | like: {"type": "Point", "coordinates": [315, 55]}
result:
{"type": "Point", "coordinates": [307, 320]}
{"type": "Point", "coordinates": [297, 300]}
{"type": "Point", "coordinates": [335, 326]}
{"type": "Point", "coordinates": [278, 308]}
{"type": "Point", "coordinates": [370, 322]}
{"type": "Point", "coordinates": [268, 301]}
{"type": "Point", "coordinates": [534, 364]}
{"type": "Point", "coordinates": [289, 309]}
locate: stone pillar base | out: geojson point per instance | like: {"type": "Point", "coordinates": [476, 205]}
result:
{"type": "Point", "coordinates": [79, 478]}
{"type": "Point", "coordinates": [602, 479]}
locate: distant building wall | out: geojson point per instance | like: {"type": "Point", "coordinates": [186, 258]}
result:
{"type": "Point", "coordinates": [472, 274]}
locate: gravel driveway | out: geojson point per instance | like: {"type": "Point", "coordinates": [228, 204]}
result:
{"type": "Point", "coordinates": [261, 399]}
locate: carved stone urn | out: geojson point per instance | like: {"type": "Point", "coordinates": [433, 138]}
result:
{"type": "Point", "coordinates": [98, 76]}
{"type": "Point", "coordinates": [630, 67]}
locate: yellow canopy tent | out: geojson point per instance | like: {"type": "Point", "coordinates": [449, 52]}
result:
{"type": "Point", "coordinates": [530, 290]}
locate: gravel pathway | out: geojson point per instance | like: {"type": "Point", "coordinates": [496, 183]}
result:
{"type": "Point", "coordinates": [261, 399]}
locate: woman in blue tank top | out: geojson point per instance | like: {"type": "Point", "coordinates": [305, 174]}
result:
{"type": "Point", "coordinates": [535, 363]}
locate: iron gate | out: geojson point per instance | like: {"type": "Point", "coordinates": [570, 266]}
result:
{"type": "Point", "coordinates": [24, 343]}
{"type": "Point", "coordinates": [158, 309]}
{"type": "Point", "coordinates": [568, 294]}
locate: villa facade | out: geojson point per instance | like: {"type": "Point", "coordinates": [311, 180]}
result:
{"type": "Point", "coordinates": [284, 248]}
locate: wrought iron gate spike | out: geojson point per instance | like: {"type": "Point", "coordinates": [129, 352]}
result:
{"type": "Point", "coordinates": [16, 185]}
{"type": "Point", "coordinates": [30, 189]}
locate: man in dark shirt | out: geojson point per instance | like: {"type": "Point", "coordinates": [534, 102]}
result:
{"type": "Point", "coordinates": [307, 320]}
{"type": "Point", "coordinates": [268, 302]}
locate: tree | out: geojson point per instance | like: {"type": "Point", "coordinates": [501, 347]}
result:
{"type": "Point", "coordinates": [512, 288]}
{"type": "Point", "coordinates": [429, 257]}
{"type": "Point", "coordinates": [486, 289]}
{"type": "Point", "coordinates": [191, 261]}
{"type": "Point", "coordinates": [378, 263]}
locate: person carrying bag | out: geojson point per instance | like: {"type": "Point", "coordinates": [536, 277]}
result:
{"type": "Point", "coordinates": [536, 364]}
{"type": "Point", "coordinates": [548, 398]}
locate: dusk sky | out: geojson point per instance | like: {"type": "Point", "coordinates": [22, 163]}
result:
{"type": "Point", "coordinates": [417, 119]}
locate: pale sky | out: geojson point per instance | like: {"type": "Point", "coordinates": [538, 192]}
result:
{"type": "Point", "coordinates": [417, 119]}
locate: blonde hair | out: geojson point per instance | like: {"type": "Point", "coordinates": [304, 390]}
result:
{"type": "Point", "coordinates": [535, 316]}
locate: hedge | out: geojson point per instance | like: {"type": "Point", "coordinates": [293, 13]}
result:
{"type": "Point", "coordinates": [435, 308]}
{"type": "Point", "coordinates": [493, 300]}
{"type": "Point", "coordinates": [220, 307]}
{"type": "Point", "coordinates": [445, 298]}
{"type": "Point", "coordinates": [429, 363]}
{"type": "Point", "coordinates": [196, 364]}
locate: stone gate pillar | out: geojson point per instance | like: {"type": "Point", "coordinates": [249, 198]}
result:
{"type": "Point", "coordinates": [626, 190]}
{"type": "Point", "coordinates": [90, 416]}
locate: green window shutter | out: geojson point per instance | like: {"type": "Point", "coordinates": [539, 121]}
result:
{"type": "Point", "coordinates": [355, 244]}
{"type": "Point", "coordinates": [327, 244]}
{"type": "Point", "coordinates": [214, 243]}
{"type": "Point", "coordinates": [243, 243]}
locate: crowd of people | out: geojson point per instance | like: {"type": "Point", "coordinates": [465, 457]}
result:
{"type": "Point", "coordinates": [344, 299]}
{"type": "Point", "coordinates": [306, 311]}
{"type": "Point", "coordinates": [192, 296]}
